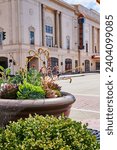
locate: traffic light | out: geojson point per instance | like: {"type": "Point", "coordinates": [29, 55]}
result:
{"type": "Point", "coordinates": [4, 35]}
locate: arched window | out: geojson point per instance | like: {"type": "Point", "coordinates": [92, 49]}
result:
{"type": "Point", "coordinates": [32, 35]}
{"type": "Point", "coordinates": [68, 42]}
{"type": "Point", "coordinates": [54, 61]}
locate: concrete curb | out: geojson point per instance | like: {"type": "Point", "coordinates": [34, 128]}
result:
{"type": "Point", "coordinates": [69, 76]}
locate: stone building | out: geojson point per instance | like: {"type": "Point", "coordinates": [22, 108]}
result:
{"type": "Point", "coordinates": [89, 39]}
{"type": "Point", "coordinates": [53, 25]}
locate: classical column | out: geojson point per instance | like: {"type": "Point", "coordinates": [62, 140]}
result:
{"type": "Point", "coordinates": [98, 39]}
{"type": "Point", "coordinates": [57, 27]}
{"type": "Point", "coordinates": [93, 39]}
{"type": "Point", "coordinates": [18, 24]}
{"type": "Point", "coordinates": [43, 25]}
{"type": "Point", "coordinates": [10, 22]}
{"type": "Point", "coordinates": [60, 29]}
{"type": "Point", "coordinates": [40, 24]}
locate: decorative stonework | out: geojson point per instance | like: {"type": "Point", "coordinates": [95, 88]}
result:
{"type": "Point", "coordinates": [30, 11]}
{"type": "Point", "coordinates": [1, 29]}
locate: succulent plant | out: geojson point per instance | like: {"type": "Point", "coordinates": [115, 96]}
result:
{"type": "Point", "coordinates": [8, 91]}
{"type": "Point", "coordinates": [10, 86]}
{"type": "Point", "coordinates": [51, 89]}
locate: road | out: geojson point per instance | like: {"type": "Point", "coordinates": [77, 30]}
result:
{"type": "Point", "coordinates": [86, 89]}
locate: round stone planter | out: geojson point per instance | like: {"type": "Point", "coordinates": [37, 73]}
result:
{"type": "Point", "coordinates": [15, 109]}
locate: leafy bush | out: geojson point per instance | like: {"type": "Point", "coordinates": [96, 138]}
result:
{"type": "Point", "coordinates": [29, 91]}
{"type": "Point", "coordinates": [47, 133]}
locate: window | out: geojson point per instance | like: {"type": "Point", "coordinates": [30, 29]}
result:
{"type": "Point", "coordinates": [76, 63]}
{"type": "Point", "coordinates": [49, 29]}
{"type": "Point", "coordinates": [32, 38]}
{"type": "Point", "coordinates": [32, 35]}
{"type": "Point", "coordinates": [86, 47]}
{"type": "Point", "coordinates": [49, 41]}
{"type": "Point", "coordinates": [81, 30]}
{"type": "Point", "coordinates": [0, 38]}
{"type": "Point", "coordinates": [68, 42]}
{"type": "Point", "coordinates": [95, 49]}
{"type": "Point", "coordinates": [97, 65]}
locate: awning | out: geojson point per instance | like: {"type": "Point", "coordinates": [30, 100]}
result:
{"type": "Point", "coordinates": [98, 1]}
{"type": "Point", "coordinates": [95, 57]}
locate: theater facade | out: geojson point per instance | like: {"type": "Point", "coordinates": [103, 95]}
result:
{"type": "Point", "coordinates": [69, 33]}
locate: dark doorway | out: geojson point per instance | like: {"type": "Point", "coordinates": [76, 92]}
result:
{"type": "Point", "coordinates": [97, 66]}
{"type": "Point", "coordinates": [54, 61]}
{"type": "Point", "coordinates": [4, 62]}
{"type": "Point", "coordinates": [68, 65]}
{"type": "Point", "coordinates": [87, 66]}
{"type": "Point", "coordinates": [33, 63]}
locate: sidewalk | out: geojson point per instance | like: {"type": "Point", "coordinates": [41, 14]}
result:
{"type": "Point", "coordinates": [86, 110]}
{"type": "Point", "coordinates": [85, 88]}
{"type": "Point", "coordinates": [86, 117]}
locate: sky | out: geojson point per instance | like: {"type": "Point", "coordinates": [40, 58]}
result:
{"type": "Point", "coordinates": [87, 3]}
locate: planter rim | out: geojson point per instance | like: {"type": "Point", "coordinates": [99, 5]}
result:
{"type": "Point", "coordinates": [66, 99]}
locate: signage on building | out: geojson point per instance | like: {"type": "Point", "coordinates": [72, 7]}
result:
{"type": "Point", "coordinates": [81, 21]}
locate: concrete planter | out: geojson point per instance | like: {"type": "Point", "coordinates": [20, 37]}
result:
{"type": "Point", "coordinates": [15, 109]}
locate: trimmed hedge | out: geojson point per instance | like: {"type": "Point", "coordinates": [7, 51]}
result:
{"type": "Point", "coordinates": [47, 133]}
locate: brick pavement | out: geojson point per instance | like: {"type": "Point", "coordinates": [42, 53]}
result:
{"type": "Point", "coordinates": [86, 109]}
{"type": "Point", "coordinates": [87, 105]}
{"type": "Point", "coordinates": [87, 102]}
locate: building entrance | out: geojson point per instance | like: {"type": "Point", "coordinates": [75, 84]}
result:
{"type": "Point", "coordinates": [87, 66]}
{"type": "Point", "coordinates": [33, 63]}
{"type": "Point", "coordinates": [68, 65]}
{"type": "Point", "coordinates": [4, 62]}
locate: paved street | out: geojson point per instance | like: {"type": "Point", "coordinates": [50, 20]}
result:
{"type": "Point", "coordinates": [86, 89]}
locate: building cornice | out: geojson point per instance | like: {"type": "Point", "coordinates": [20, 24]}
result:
{"type": "Point", "coordinates": [88, 13]}
{"type": "Point", "coordinates": [3, 1]}
{"type": "Point", "coordinates": [98, 1]}
{"type": "Point", "coordinates": [64, 4]}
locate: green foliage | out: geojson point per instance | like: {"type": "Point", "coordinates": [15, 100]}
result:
{"type": "Point", "coordinates": [34, 77]}
{"type": "Point", "coordinates": [47, 133]}
{"type": "Point", "coordinates": [29, 91]}
{"type": "Point", "coordinates": [31, 85]}
{"type": "Point", "coordinates": [17, 79]}
{"type": "Point", "coordinates": [1, 68]}
{"type": "Point", "coordinates": [4, 75]}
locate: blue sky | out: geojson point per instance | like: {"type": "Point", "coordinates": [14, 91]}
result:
{"type": "Point", "coordinates": [87, 3]}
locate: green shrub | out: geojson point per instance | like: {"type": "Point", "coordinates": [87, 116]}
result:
{"type": "Point", "coordinates": [47, 133]}
{"type": "Point", "coordinates": [29, 91]}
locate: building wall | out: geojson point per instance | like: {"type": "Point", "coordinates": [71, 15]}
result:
{"type": "Point", "coordinates": [91, 39]}
{"type": "Point", "coordinates": [21, 16]}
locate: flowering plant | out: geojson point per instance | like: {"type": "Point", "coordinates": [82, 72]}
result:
{"type": "Point", "coordinates": [27, 85]}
